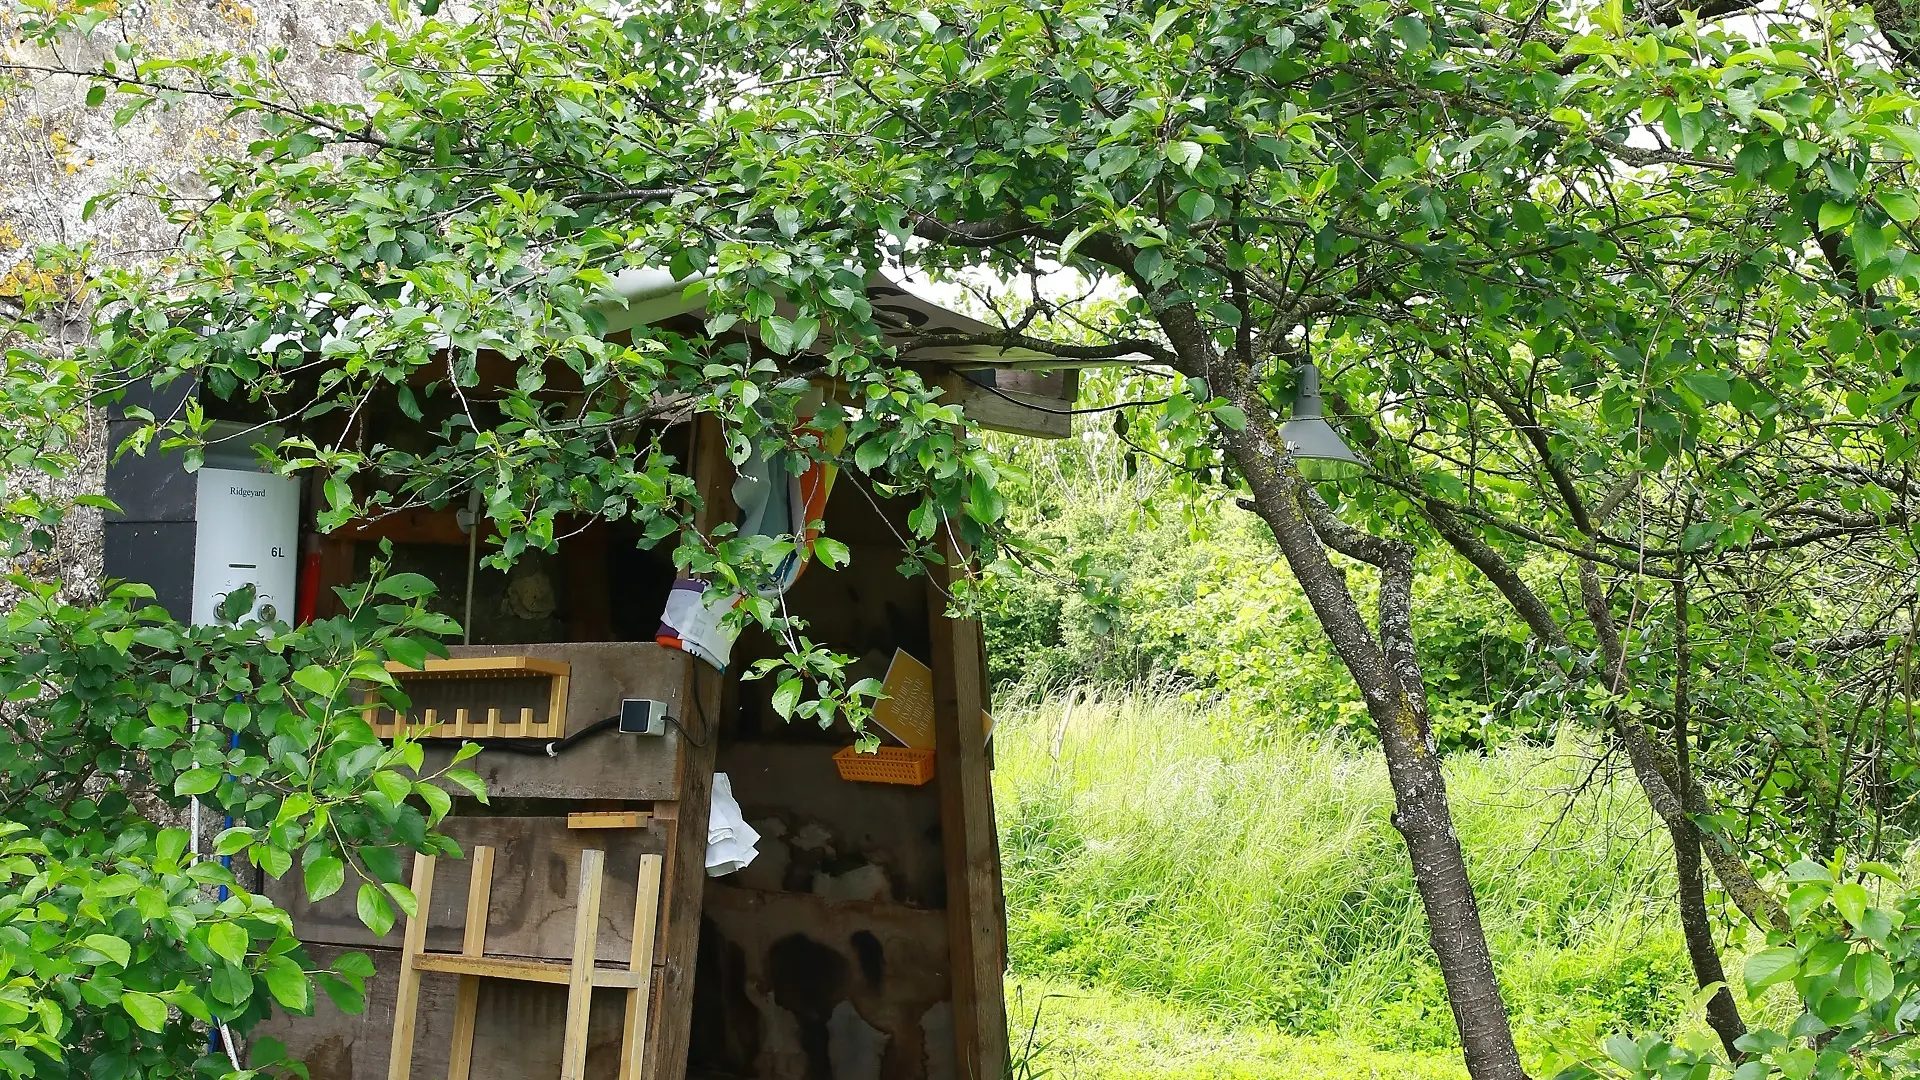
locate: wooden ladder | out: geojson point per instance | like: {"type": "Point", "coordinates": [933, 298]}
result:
{"type": "Point", "coordinates": [579, 976]}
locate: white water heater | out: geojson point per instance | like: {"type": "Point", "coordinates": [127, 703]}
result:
{"type": "Point", "coordinates": [248, 533]}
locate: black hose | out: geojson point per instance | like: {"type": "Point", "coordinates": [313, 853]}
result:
{"type": "Point", "coordinates": [548, 749]}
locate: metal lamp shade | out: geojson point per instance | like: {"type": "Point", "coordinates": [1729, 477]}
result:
{"type": "Point", "coordinates": [1318, 450]}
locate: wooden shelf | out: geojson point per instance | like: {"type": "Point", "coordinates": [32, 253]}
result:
{"type": "Point", "coordinates": [479, 697]}
{"type": "Point", "coordinates": [480, 667]}
{"type": "Point", "coordinates": [555, 972]}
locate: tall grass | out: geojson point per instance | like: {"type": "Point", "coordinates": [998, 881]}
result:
{"type": "Point", "coordinates": [1166, 852]}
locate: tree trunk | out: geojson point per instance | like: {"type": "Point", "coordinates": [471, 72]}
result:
{"type": "Point", "coordinates": [1388, 677]}
{"type": "Point", "coordinates": [1389, 680]}
{"type": "Point", "coordinates": [1658, 773]}
{"type": "Point", "coordinates": [1723, 1013]}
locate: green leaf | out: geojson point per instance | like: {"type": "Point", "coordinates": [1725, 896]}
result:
{"type": "Point", "coordinates": [374, 911]}
{"type": "Point", "coordinates": [228, 941]}
{"type": "Point", "coordinates": [1850, 900]}
{"type": "Point", "coordinates": [1412, 31]}
{"type": "Point", "coordinates": [831, 552]}
{"type": "Point", "coordinates": [1899, 205]}
{"type": "Point", "coordinates": [1834, 215]}
{"type": "Point", "coordinates": [1186, 154]}
{"type": "Point", "coordinates": [1711, 388]}
{"type": "Point", "coordinates": [356, 964]}
{"type": "Point", "coordinates": [1873, 978]}
{"type": "Point", "coordinates": [1164, 20]}
{"type": "Point", "coordinates": [407, 651]}
{"type": "Point", "coordinates": [404, 586]}
{"type": "Point", "coordinates": [1625, 1052]}
{"type": "Point", "coordinates": [786, 697]}
{"type": "Point", "coordinates": [112, 948]}
{"type": "Point", "coordinates": [288, 984]}
{"type": "Point", "coordinates": [147, 1011]}
{"type": "Point", "coordinates": [438, 801]}
{"type": "Point", "coordinates": [1397, 167]}
{"type": "Point", "coordinates": [1232, 416]}
{"type": "Point", "coordinates": [196, 782]}
{"type": "Point", "coordinates": [394, 786]}
{"type": "Point", "coordinates": [1074, 238]}
{"type": "Point", "coordinates": [467, 781]}
{"type": "Point", "coordinates": [320, 680]}
{"type": "Point", "coordinates": [170, 845]}
{"type": "Point", "coordinates": [1770, 966]}
{"type": "Point", "coordinates": [325, 876]}
{"type": "Point", "coordinates": [871, 454]}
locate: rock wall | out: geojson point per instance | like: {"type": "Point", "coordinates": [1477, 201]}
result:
{"type": "Point", "coordinates": [56, 155]}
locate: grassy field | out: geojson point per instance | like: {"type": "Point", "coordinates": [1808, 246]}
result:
{"type": "Point", "coordinates": [1187, 901]}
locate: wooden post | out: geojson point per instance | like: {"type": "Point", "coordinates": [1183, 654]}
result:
{"type": "Point", "coordinates": [684, 875]}
{"type": "Point", "coordinates": [586, 931]}
{"type": "Point", "coordinates": [976, 921]}
{"type": "Point", "coordinates": [466, 1001]}
{"type": "Point", "coordinates": [406, 1000]}
{"type": "Point", "coordinates": [646, 909]}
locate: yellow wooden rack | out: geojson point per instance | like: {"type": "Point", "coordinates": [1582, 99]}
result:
{"type": "Point", "coordinates": [579, 975]}
{"type": "Point", "coordinates": [472, 721]}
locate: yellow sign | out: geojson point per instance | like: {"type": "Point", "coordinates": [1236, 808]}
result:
{"type": "Point", "coordinates": [906, 713]}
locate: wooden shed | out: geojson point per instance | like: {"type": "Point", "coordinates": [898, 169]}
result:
{"type": "Point", "coordinates": [582, 937]}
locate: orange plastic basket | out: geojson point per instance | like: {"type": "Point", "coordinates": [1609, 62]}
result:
{"type": "Point", "coordinates": [887, 765]}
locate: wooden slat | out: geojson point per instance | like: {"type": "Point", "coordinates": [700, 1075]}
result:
{"type": "Point", "coordinates": [557, 707]}
{"type": "Point", "coordinates": [466, 1002]}
{"type": "Point", "coordinates": [646, 908]}
{"type": "Point", "coordinates": [515, 969]}
{"type": "Point", "coordinates": [1014, 411]}
{"type": "Point", "coordinates": [586, 925]}
{"type": "Point", "coordinates": [407, 1000]}
{"type": "Point", "coordinates": [976, 926]}
{"type": "Point", "coordinates": [609, 819]}
{"type": "Point", "coordinates": [466, 667]}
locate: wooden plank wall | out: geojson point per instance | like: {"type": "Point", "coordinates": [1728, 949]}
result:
{"type": "Point", "coordinates": [868, 941]}
{"type": "Point", "coordinates": [534, 897]}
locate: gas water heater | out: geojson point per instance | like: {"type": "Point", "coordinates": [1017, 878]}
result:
{"type": "Point", "coordinates": [247, 533]}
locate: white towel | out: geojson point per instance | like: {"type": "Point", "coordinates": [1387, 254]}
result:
{"type": "Point", "coordinates": [730, 840]}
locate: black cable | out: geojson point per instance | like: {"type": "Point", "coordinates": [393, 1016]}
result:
{"type": "Point", "coordinates": [704, 722]}
{"type": "Point", "coordinates": [547, 749]}
{"type": "Point", "coordinates": [556, 747]}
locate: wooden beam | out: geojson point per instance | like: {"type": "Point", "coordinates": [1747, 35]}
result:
{"type": "Point", "coordinates": [609, 819]}
{"type": "Point", "coordinates": [646, 910]}
{"type": "Point", "coordinates": [684, 875]}
{"type": "Point", "coordinates": [1012, 411]}
{"type": "Point", "coordinates": [586, 928]}
{"type": "Point", "coordinates": [406, 1003]}
{"type": "Point", "coordinates": [976, 923]}
{"type": "Point", "coordinates": [466, 1000]}
{"type": "Point", "coordinates": [515, 969]}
